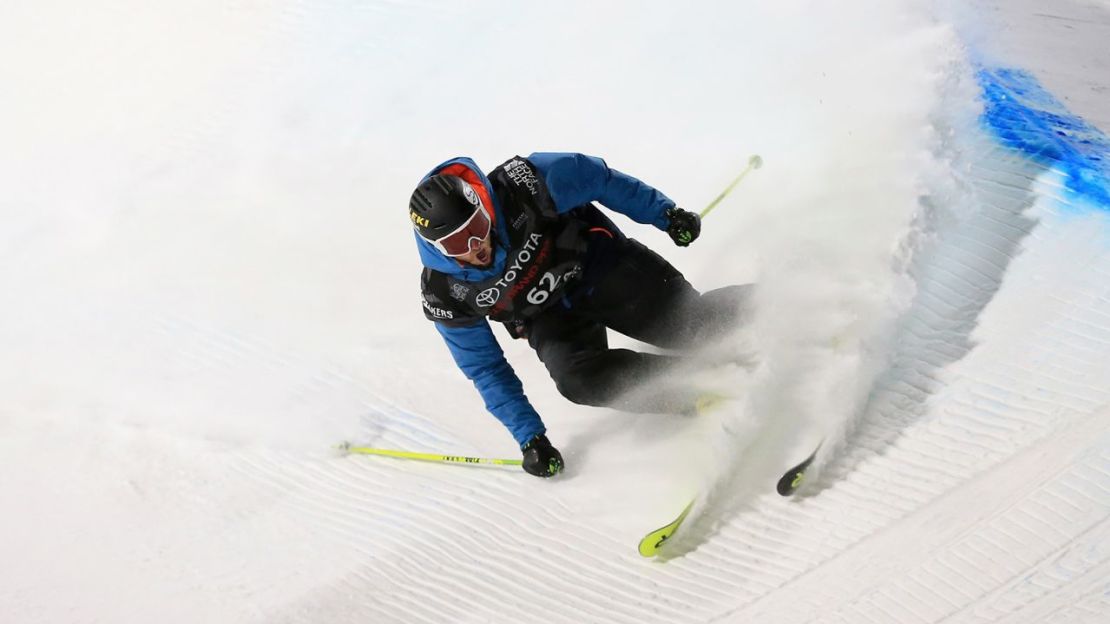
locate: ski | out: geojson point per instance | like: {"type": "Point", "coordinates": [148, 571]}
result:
{"type": "Point", "coordinates": [649, 546]}
{"type": "Point", "coordinates": [789, 483]}
{"type": "Point", "coordinates": [652, 542]}
{"type": "Point", "coordinates": [792, 479]}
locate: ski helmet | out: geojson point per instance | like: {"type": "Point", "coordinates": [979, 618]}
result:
{"type": "Point", "coordinates": [441, 204]}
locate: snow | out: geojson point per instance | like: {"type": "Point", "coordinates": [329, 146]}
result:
{"type": "Point", "coordinates": [210, 281]}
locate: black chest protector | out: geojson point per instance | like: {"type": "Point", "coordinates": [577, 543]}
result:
{"type": "Point", "coordinates": [544, 257]}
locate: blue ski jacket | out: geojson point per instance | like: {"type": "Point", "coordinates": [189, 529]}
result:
{"type": "Point", "coordinates": [572, 180]}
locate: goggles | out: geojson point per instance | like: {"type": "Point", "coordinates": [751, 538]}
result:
{"type": "Point", "coordinates": [458, 242]}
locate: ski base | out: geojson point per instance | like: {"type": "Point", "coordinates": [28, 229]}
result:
{"type": "Point", "coordinates": [792, 479]}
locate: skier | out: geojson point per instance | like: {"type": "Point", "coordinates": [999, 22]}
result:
{"type": "Point", "coordinates": [525, 246]}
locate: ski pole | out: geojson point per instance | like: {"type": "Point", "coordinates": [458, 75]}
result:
{"type": "Point", "coordinates": [432, 457]}
{"type": "Point", "coordinates": [755, 162]}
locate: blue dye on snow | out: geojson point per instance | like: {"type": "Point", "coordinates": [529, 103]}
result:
{"type": "Point", "coordinates": [1025, 116]}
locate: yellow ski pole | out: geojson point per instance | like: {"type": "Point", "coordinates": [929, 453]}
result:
{"type": "Point", "coordinates": [755, 162]}
{"type": "Point", "coordinates": [432, 457]}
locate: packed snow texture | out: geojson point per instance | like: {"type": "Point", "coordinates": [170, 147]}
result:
{"type": "Point", "coordinates": [211, 281]}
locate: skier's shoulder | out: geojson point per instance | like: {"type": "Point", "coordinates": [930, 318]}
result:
{"type": "Point", "coordinates": [567, 163]}
{"type": "Point", "coordinates": [572, 178]}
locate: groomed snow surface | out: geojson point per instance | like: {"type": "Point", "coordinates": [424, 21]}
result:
{"type": "Point", "coordinates": [209, 281]}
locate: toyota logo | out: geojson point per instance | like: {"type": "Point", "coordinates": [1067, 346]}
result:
{"type": "Point", "coordinates": [487, 297]}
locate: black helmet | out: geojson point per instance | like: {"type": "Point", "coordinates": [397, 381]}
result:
{"type": "Point", "coordinates": [441, 204]}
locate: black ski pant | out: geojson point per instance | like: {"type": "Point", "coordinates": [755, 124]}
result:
{"type": "Point", "coordinates": [640, 295]}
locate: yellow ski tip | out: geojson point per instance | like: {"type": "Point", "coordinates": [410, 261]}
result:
{"type": "Point", "coordinates": [709, 401]}
{"type": "Point", "coordinates": [652, 542]}
{"type": "Point", "coordinates": [649, 546]}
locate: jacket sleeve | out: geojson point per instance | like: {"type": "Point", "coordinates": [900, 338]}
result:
{"type": "Point", "coordinates": [481, 359]}
{"type": "Point", "coordinates": [575, 179]}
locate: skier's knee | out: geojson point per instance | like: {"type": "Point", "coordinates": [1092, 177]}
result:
{"type": "Point", "coordinates": [721, 310]}
{"type": "Point", "coordinates": [578, 388]}
{"type": "Point", "coordinates": [727, 304]}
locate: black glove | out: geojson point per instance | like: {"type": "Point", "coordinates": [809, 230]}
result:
{"type": "Point", "coordinates": [540, 458]}
{"type": "Point", "coordinates": [684, 226]}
